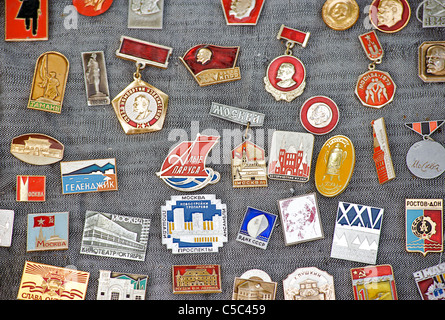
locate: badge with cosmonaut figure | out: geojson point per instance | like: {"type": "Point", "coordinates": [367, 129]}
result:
{"type": "Point", "coordinates": [432, 61]}
{"type": "Point", "coordinates": [26, 20]}
{"type": "Point", "coordinates": [286, 75]}
{"type": "Point", "coordinates": [375, 88]}
{"type": "Point", "coordinates": [242, 12]}
{"type": "Point", "coordinates": [140, 107]}
{"type": "Point", "coordinates": [389, 16]}
{"type": "Point", "coordinates": [210, 64]}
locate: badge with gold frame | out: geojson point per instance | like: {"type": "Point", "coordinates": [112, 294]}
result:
{"type": "Point", "coordinates": [432, 61]}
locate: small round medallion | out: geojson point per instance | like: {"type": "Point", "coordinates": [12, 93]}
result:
{"type": "Point", "coordinates": [340, 14]}
{"type": "Point", "coordinates": [426, 159]}
{"type": "Point", "coordinates": [389, 16]}
{"type": "Point", "coordinates": [319, 115]}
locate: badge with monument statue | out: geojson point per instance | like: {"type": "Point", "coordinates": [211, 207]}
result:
{"type": "Point", "coordinates": [140, 107]}
{"type": "Point", "coordinates": [96, 81]}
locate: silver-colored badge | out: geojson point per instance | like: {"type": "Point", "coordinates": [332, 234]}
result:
{"type": "Point", "coordinates": [96, 79]}
{"type": "Point", "coordinates": [309, 284]}
{"type": "Point", "coordinates": [433, 13]}
{"type": "Point", "coordinates": [237, 115]}
{"type": "Point", "coordinates": [121, 286]}
{"type": "Point", "coordinates": [6, 222]}
{"type": "Point", "coordinates": [145, 14]}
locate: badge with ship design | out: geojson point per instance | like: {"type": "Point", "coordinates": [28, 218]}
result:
{"type": "Point", "coordinates": [256, 228]}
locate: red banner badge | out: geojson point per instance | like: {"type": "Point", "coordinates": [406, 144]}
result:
{"type": "Point", "coordinates": [371, 45]}
{"type": "Point", "coordinates": [293, 35]}
{"type": "Point", "coordinates": [144, 52]}
{"type": "Point", "coordinates": [26, 20]}
{"type": "Point", "coordinates": [44, 221]}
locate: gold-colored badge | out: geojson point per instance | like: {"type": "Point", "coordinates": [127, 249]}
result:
{"type": "Point", "coordinates": [340, 14]}
{"type": "Point", "coordinates": [48, 86]}
{"type": "Point", "coordinates": [335, 165]}
{"type": "Point", "coordinates": [432, 61]}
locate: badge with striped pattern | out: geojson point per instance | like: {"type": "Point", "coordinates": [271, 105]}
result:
{"type": "Point", "coordinates": [426, 159]}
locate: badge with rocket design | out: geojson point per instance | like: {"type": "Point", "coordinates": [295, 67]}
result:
{"type": "Point", "coordinates": [47, 231]}
{"type": "Point", "coordinates": [184, 167]}
{"type": "Point", "coordinates": [211, 64]}
{"type": "Point", "coordinates": [424, 225]}
{"type": "Point", "coordinates": [26, 20]}
{"type": "Point", "coordinates": [431, 282]}
{"type": "Point", "coordinates": [256, 228]}
{"type": "Point", "coordinates": [357, 233]}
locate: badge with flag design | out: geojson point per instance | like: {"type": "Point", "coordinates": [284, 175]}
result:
{"type": "Point", "coordinates": [47, 231]}
{"type": "Point", "coordinates": [31, 188]}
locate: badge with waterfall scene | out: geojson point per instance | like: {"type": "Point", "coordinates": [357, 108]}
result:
{"type": "Point", "coordinates": [424, 225]}
{"type": "Point", "coordinates": [141, 107]}
{"type": "Point", "coordinates": [96, 79]}
{"type": "Point", "coordinates": [210, 64]}
{"type": "Point", "coordinates": [431, 282]}
{"type": "Point", "coordinates": [92, 8]}
{"type": "Point", "coordinates": [335, 166]}
{"type": "Point", "coordinates": [49, 83]}
{"type": "Point", "coordinates": [26, 20]}
{"type": "Point", "coordinates": [309, 284]}
{"type": "Point", "coordinates": [242, 12]}
{"type": "Point", "coordinates": [256, 228]}
{"type": "Point", "coordinates": [196, 278]}
{"type": "Point", "coordinates": [44, 282]}
{"type": "Point", "coordinates": [37, 149]}
{"type": "Point", "coordinates": [145, 14]}
{"type": "Point", "coordinates": [286, 75]}
{"type": "Point", "coordinates": [31, 188]}
{"type": "Point", "coordinates": [374, 283]}
{"type": "Point", "coordinates": [194, 224]}
{"type": "Point", "coordinates": [47, 231]}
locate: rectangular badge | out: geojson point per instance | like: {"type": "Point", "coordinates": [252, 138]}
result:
{"type": "Point", "coordinates": [371, 45]}
{"type": "Point", "coordinates": [47, 231]}
{"type": "Point", "coordinates": [121, 286]}
{"type": "Point", "coordinates": [6, 226]}
{"type": "Point", "coordinates": [144, 52]}
{"type": "Point", "coordinates": [424, 225]}
{"type": "Point", "coordinates": [196, 279]}
{"type": "Point", "coordinates": [26, 20]}
{"type": "Point", "coordinates": [256, 228]}
{"type": "Point", "coordinates": [431, 282]}
{"type": "Point", "coordinates": [88, 176]}
{"type": "Point", "coordinates": [382, 155]}
{"type": "Point", "coordinates": [357, 233]}
{"type": "Point", "coordinates": [145, 14]}
{"type": "Point", "coordinates": [374, 283]}
{"type": "Point", "coordinates": [237, 115]}
{"type": "Point", "coordinates": [115, 236]}
{"type": "Point", "coordinates": [300, 218]}
{"type": "Point", "coordinates": [45, 282]}
{"type": "Point", "coordinates": [293, 35]}
{"type": "Point", "coordinates": [31, 188]}
{"type": "Point", "coordinates": [96, 79]}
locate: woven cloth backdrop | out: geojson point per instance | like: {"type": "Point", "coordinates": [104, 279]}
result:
{"type": "Point", "coordinates": [333, 60]}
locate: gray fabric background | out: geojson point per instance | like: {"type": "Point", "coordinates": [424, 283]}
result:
{"type": "Point", "coordinates": [333, 60]}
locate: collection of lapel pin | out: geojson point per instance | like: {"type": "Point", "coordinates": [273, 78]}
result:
{"type": "Point", "coordinates": [197, 223]}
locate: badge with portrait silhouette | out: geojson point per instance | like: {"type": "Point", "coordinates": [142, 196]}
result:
{"type": "Point", "coordinates": [389, 16]}
{"type": "Point", "coordinates": [211, 64]}
{"type": "Point", "coordinates": [432, 61]}
{"type": "Point", "coordinates": [286, 75]}
{"type": "Point", "coordinates": [26, 20]}
{"type": "Point", "coordinates": [141, 107]}
{"type": "Point", "coordinates": [242, 12]}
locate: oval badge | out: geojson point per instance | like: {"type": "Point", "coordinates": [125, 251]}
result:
{"type": "Point", "coordinates": [335, 165]}
{"type": "Point", "coordinates": [36, 148]}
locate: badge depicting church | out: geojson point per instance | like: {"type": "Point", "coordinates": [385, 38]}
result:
{"type": "Point", "coordinates": [194, 224]}
{"type": "Point", "coordinates": [47, 231]}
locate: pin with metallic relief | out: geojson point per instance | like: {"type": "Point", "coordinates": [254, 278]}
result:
{"type": "Point", "coordinates": [92, 8]}
{"type": "Point", "coordinates": [340, 14]}
{"type": "Point", "coordinates": [389, 16]}
{"type": "Point", "coordinates": [335, 166]}
{"type": "Point", "coordinates": [286, 75]}
{"type": "Point", "coordinates": [256, 228]}
{"type": "Point", "coordinates": [49, 83]}
{"type": "Point", "coordinates": [432, 61]}
{"type": "Point", "coordinates": [431, 282]}
{"type": "Point", "coordinates": [184, 167]}
{"type": "Point", "coordinates": [309, 284]}
{"type": "Point", "coordinates": [6, 227]}
{"type": "Point", "coordinates": [433, 13]}
{"type": "Point", "coordinates": [38, 149]}
{"type": "Point", "coordinates": [96, 79]}
{"type": "Point", "coordinates": [254, 284]}
{"type": "Point", "coordinates": [374, 283]}
{"type": "Point", "coordinates": [196, 279]}
{"type": "Point", "coordinates": [26, 20]}
{"type": "Point", "coordinates": [319, 115]}
{"type": "Point", "coordinates": [145, 14]}
{"type": "Point", "coordinates": [424, 225]}
{"type": "Point", "coordinates": [211, 64]}
{"type": "Point", "coordinates": [382, 155]}
{"type": "Point", "coordinates": [426, 159]}
{"type": "Point", "coordinates": [140, 107]}
{"type": "Point", "coordinates": [375, 88]}
{"type": "Point", "coordinates": [242, 12]}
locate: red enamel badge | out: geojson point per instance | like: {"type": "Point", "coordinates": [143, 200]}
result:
{"type": "Point", "coordinates": [26, 20]}
{"type": "Point", "coordinates": [242, 12]}
{"type": "Point", "coordinates": [92, 7]}
{"type": "Point", "coordinates": [319, 115]}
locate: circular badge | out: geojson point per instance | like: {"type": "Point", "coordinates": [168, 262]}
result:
{"type": "Point", "coordinates": [141, 107]}
{"type": "Point", "coordinates": [426, 159]}
{"type": "Point", "coordinates": [423, 227]}
{"type": "Point", "coordinates": [92, 8]}
{"type": "Point", "coordinates": [389, 15]}
{"type": "Point", "coordinates": [285, 78]}
{"type": "Point", "coordinates": [340, 14]}
{"type": "Point", "coordinates": [375, 89]}
{"type": "Point", "coordinates": [319, 115]}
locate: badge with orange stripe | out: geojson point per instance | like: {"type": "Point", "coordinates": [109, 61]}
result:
{"type": "Point", "coordinates": [426, 159]}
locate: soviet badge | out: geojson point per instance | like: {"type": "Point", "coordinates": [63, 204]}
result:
{"type": "Point", "coordinates": [389, 16]}
{"type": "Point", "coordinates": [256, 228]}
{"type": "Point", "coordinates": [340, 14]}
{"type": "Point", "coordinates": [121, 286]}
{"type": "Point", "coordinates": [309, 284]}
{"type": "Point", "coordinates": [31, 188]}
{"type": "Point", "coordinates": [92, 8]}
{"type": "Point", "coordinates": [196, 279]}
{"type": "Point", "coordinates": [96, 79]}
{"type": "Point", "coordinates": [382, 155]}
{"type": "Point", "coordinates": [6, 226]}
{"type": "Point", "coordinates": [242, 12]}
{"type": "Point", "coordinates": [26, 20]}
{"type": "Point", "coordinates": [47, 231]}
{"type": "Point", "coordinates": [374, 283]}
{"type": "Point", "coordinates": [431, 282]}
{"type": "Point", "coordinates": [319, 115]}
{"type": "Point", "coordinates": [254, 284]}
{"type": "Point", "coordinates": [37, 149]}
{"type": "Point", "coordinates": [145, 14]}
{"type": "Point", "coordinates": [432, 61]}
